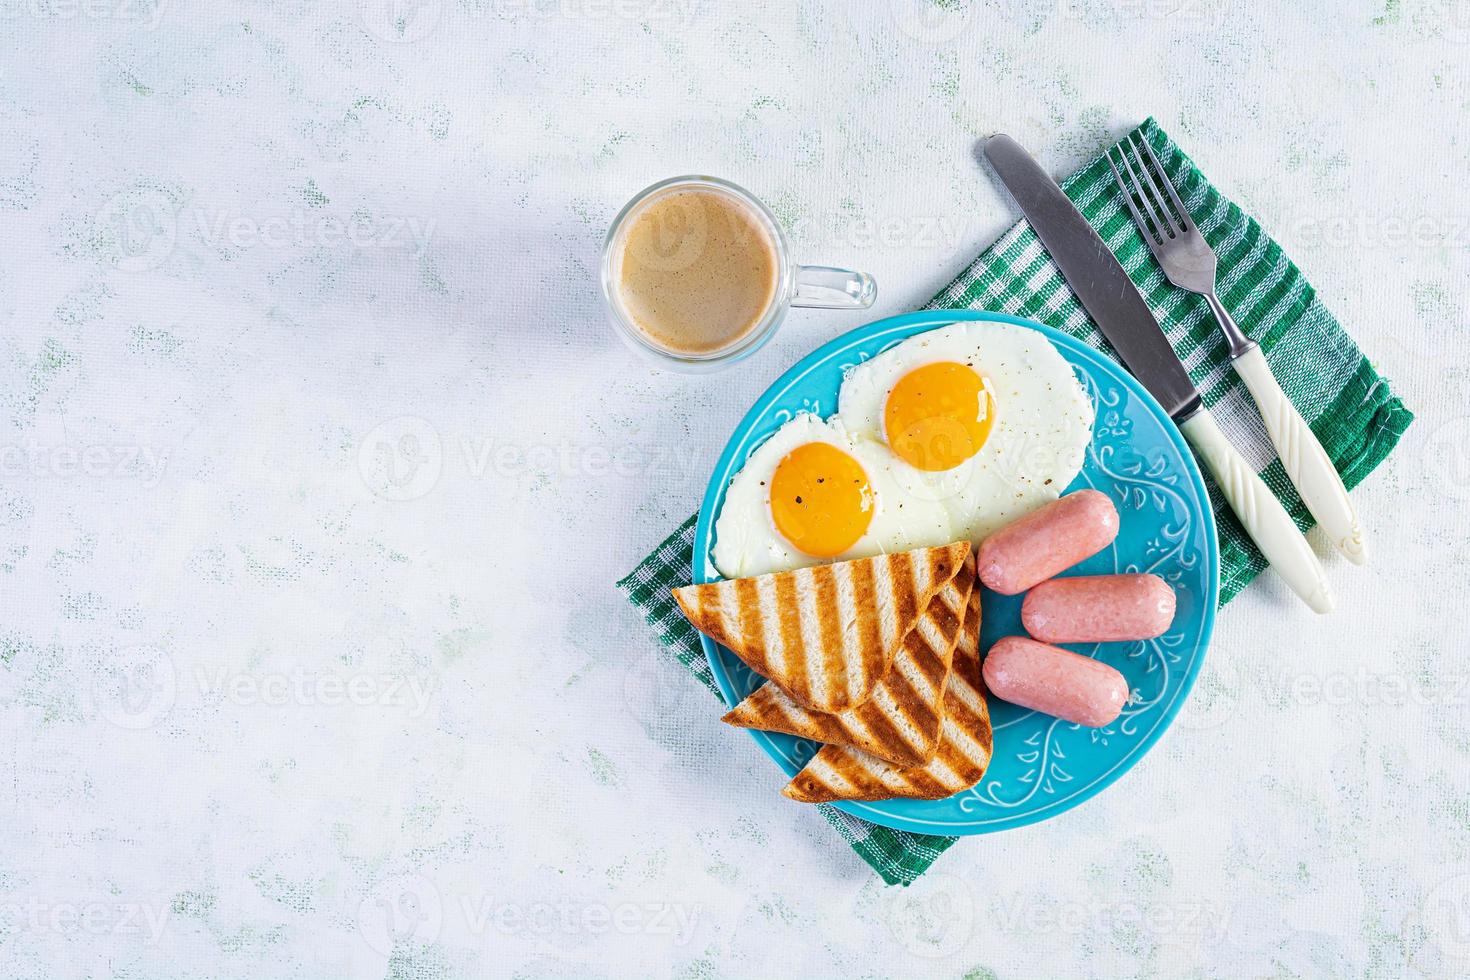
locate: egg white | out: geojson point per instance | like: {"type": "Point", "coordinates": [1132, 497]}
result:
{"type": "Point", "coordinates": [1036, 445]}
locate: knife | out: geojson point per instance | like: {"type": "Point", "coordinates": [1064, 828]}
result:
{"type": "Point", "coordinates": [1115, 305]}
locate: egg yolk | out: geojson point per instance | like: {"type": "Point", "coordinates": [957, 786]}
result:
{"type": "Point", "coordinates": [939, 415]}
{"type": "Point", "coordinates": [820, 499]}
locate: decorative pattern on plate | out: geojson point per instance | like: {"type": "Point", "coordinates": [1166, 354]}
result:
{"type": "Point", "coordinates": [1042, 765]}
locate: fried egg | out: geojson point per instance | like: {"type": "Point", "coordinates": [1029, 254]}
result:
{"type": "Point", "coordinates": [986, 420]}
{"type": "Point", "coordinates": [811, 493]}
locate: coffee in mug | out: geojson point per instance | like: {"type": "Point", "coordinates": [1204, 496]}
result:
{"type": "Point", "coordinates": [696, 273]}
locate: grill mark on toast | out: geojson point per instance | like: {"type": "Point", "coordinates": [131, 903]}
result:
{"type": "Point", "coordinates": [900, 722]}
{"type": "Point", "coordinates": [886, 732]}
{"type": "Point", "coordinates": [793, 647]}
{"type": "Point", "coordinates": [830, 648]}
{"type": "Point", "coordinates": [797, 628]}
{"type": "Point", "coordinates": [750, 627]}
{"type": "Point", "coordinates": [904, 578]}
{"type": "Point", "coordinates": [869, 635]}
{"type": "Point", "coordinates": [965, 739]}
{"type": "Point", "coordinates": [945, 777]}
{"type": "Point", "coordinates": [773, 655]}
{"type": "Point", "coordinates": [844, 580]}
{"type": "Point", "coordinates": [963, 713]}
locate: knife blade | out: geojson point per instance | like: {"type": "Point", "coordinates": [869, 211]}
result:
{"type": "Point", "coordinates": [1097, 278]}
{"type": "Point", "coordinates": [1119, 311]}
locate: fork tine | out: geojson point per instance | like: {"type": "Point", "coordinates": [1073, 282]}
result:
{"type": "Point", "coordinates": [1163, 227]}
{"type": "Point", "coordinates": [1169, 186]}
{"type": "Point", "coordinates": [1138, 219]}
{"type": "Point", "coordinates": [1156, 196]}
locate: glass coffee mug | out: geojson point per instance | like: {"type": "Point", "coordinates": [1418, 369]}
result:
{"type": "Point", "coordinates": [697, 274]}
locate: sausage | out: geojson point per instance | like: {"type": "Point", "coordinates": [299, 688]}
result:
{"type": "Point", "coordinates": [1055, 681]}
{"type": "Point", "coordinates": [1047, 541]}
{"type": "Point", "coordinates": [1098, 609]}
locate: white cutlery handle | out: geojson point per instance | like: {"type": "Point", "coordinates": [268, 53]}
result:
{"type": "Point", "coordinates": [1265, 520]}
{"type": "Point", "coordinates": [1303, 457]}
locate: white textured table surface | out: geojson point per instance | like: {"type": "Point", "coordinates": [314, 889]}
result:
{"type": "Point", "coordinates": [263, 714]}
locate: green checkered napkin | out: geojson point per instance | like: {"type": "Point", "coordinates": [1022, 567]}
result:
{"type": "Point", "coordinates": [1350, 408]}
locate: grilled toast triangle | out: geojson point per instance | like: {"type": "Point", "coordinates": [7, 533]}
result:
{"type": "Point", "coordinates": [826, 634]}
{"type": "Point", "coordinates": [900, 723]}
{"type": "Point", "coordinates": [966, 741]}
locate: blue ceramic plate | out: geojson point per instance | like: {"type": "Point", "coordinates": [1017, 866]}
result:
{"type": "Point", "coordinates": [1042, 766]}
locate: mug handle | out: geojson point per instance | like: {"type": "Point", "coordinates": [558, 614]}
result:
{"type": "Point", "coordinates": [824, 288]}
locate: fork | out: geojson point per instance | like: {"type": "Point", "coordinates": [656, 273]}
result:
{"type": "Point", "coordinates": [1189, 262]}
